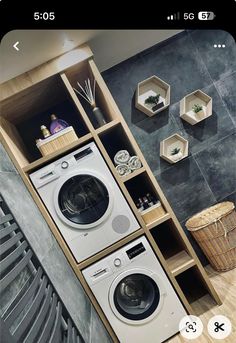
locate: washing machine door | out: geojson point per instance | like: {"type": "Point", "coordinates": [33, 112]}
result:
{"type": "Point", "coordinates": [136, 296]}
{"type": "Point", "coordinates": [83, 199]}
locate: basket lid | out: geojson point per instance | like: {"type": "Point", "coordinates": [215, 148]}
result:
{"type": "Point", "coordinates": [209, 215]}
{"type": "Point", "coordinates": [54, 136]}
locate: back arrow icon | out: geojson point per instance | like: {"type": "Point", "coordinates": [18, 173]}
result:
{"type": "Point", "coordinates": [15, 46]}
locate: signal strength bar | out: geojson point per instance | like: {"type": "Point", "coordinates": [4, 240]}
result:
{"type": "Point", "coordinates": [175, 16]}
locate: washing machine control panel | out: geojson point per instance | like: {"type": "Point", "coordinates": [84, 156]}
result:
{"type": "Point", "coordinates": [64, 164]}
{"type": "Point", "coordinates": [117, 262]}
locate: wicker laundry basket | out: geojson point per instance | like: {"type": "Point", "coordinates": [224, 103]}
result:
{"type": "Point", "coordinates": [215, 231]}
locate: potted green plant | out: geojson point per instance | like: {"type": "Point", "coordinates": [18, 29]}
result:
{"type": "Point", "coordinates": [198, 110]}
{"type": "Point", "coordinates": [154, 100]}
{"type": "Point", "coordinates": [176, 154]}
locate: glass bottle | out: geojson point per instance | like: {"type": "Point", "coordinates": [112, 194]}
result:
{"type": "Point", "coordinates": [145, 203]}
{"type": "Point", "coordinates": [57, 124]}
{"type": "Point", "coordinates": [46, 133]}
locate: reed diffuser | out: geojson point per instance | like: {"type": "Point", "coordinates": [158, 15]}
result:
{"type": "Point", "coordinates": [88, 93]}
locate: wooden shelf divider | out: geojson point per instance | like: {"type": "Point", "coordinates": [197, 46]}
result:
{"type": "Point", "coordinates": [132, 175]}
{"type": "Point", "coordinates": [180, 262]}
{"type": "Point", "coordinates": [46, 159]}
{"type": "Point", "coordinates": [158, 221]}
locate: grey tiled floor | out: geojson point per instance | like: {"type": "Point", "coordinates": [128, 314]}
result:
{"type": "Point", "coordinates": [187, 62]}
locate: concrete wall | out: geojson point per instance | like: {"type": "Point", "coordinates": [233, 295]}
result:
{"type": "Point", "coordinates": [49, 253]}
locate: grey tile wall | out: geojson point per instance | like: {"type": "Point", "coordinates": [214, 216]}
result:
{"type": "Point", "coordinates": [187, 62]}
{"type": "Point", "coordinates": [49, 253]}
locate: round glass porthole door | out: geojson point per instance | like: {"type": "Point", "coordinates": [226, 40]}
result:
{"type": "Point", "coordinates": [83, 199]}
{"type": "Point", "coordinates": [136, 297]}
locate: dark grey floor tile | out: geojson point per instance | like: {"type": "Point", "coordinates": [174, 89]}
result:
{"type": "Point", "coordinates": [149, 133]}
{"type": "Point", "coordinates": [218, 164]}
{"type": "Point", "coordinates": [231, 197]}
{"type": "Point", "coordinates": [195, 245]}
{"type": "Point", "coordinates": [6, 164]}
{"type": "Point", "coordinates": [122, 81]}
{"type": "Point", "coordinates": [220, 62]}
{"type": "Point", "coordinates": [98, 332]}
{"type": "Point", "coordinates": [178, 64]}
{"type": "Point", "coordinates": [185, 188]}
{"type": "Point", "coordinates": [208, 131]}
{"type": "Point", "coordinates": [69, 289]}
{"type": "Point", "coordinates": [226, 89]}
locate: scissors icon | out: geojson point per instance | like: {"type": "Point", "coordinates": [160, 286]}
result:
{"type": "Point", "coordinates": [218, 327]}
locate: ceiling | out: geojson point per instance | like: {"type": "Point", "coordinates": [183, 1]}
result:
{"type": "Point", "coordinates": [38, 46]}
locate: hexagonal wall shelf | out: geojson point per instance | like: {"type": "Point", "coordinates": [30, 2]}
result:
{"type": "Point", "coordinates": [174, 148]}
{"type": "Point", "coordinates": [152, 86]}
{"type": "Point", "coordinates": [196, 99]}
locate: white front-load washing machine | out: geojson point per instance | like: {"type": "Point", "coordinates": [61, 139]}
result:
{"type": "Point", "coordinates": [84, 201]}
{"type": "Point", "coordinates": [135, 294]}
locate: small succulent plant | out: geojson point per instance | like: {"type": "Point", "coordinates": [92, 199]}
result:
{"type": "Point", "coordinates": [197, 108]}
{"type": "Point", "coordinates": [152, 99]}
{"type": "Point", "coordinates": [175, 151]}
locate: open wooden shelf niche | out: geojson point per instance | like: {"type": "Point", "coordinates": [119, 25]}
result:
{"type": "Point", "coordinates": [23, 113]}
{"type": "Point", "coordinates": [80, 73]}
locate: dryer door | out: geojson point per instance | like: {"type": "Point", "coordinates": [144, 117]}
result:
{"type": "Point", "coordinates": [136, 296]}
{"type": "Point", "coordinates": [82, 200]}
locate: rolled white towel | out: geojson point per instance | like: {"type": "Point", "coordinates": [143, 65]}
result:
{"type": "Point", "coordinates": [123, 169]}
{"type": "Point", "coordinates": [121, 157]}
{"type": "Point", "coordinates": [134, 163]}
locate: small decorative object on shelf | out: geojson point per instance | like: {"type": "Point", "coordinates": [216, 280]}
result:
{"type": "Point", "coordinates": [126, 164]}
{"type": "Point", "coordinates": [88, 93]}
{"type": "Point", "coordinates": [150, 208]}
{"type": "Point", "coordinates": [57, 124]}
{"type": "Point", "coordinates": [56, 141]}
{"type": "Point", "coordinates": [122, 157]}
{"type": "Point", "coordinates": [152, 95]}
{"type": "Point", "coordinates": [176, 154]}
{"type": "Point", "coordinates": [45, 132]}
{"type": "Point", "coordinates": [134, 163]}
{"type": "Point", "coordinates": [195, 107]}
{"type": "Point", "coordinates": [174, 148]}
{"type": "Point", "coordinates": [146, 201]}
{"type": "Point", "coordinates": [123, 169]}
{"type": "Point", "coordinates": [154, 100]}
{"type": "Point", "coordinates": [198, 109]}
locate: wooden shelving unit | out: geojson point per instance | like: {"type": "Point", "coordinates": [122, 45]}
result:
{"type": "Point", "coordinates": [30, 98]}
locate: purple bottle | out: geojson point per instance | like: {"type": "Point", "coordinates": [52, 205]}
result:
{"type": "Point", "coordinates": [57, 124]}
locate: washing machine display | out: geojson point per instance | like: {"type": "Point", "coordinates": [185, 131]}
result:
{"type": "Point", "coordinates": [84, 201]}
{"type": "Point", "coordinates": [135, 294]}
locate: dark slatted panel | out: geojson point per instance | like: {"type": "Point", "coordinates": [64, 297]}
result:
{"type": "Point", "coordinates": [39, 315]}
{"type": "Point", "coordinates": [15, 271]}
{"type": "Point", "coordinates": [40, 318]}
{"type": "Point", "coordinates": [49, 324]}
{"type": "Point", "coordinates": [12, 257]}
{"type": "Point", "coordinates": [56, 333]}
{"type": "Point", "coordinates": [24, 299]}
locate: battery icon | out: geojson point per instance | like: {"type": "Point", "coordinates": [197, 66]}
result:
{"type": "Point", "coordinates": [204, 15]}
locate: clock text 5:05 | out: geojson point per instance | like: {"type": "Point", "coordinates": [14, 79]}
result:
{"type": "Point", "coordinates": [44, 15]}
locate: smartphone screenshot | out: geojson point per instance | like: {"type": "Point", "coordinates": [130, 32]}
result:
{"type": "Point", "coordinates": [117, 173]}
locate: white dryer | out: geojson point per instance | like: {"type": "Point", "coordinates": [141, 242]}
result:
{"type": "Point", "coordinates": [135, 294]}
{"type": "Point", "coordinates": [84, 201]}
